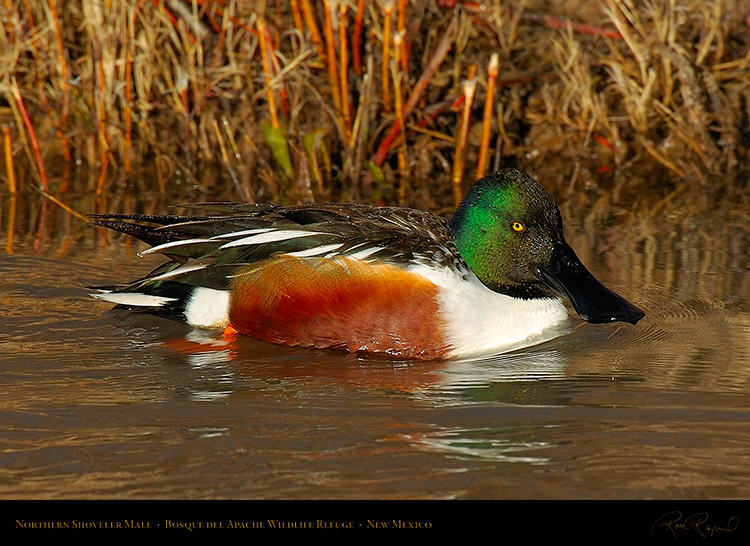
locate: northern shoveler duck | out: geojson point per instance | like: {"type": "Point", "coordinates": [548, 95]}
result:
{"type": "Point", "coordinates": [390, 280]}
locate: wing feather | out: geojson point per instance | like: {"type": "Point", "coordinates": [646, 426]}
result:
{"type": "Point", "coordinates": [209, 250]}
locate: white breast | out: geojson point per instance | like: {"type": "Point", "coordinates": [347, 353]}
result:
{"type": "Point", "coordinates": [480, 321]}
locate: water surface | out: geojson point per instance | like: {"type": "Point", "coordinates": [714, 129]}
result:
{"type": "Point", "coordinates": [97, 404]}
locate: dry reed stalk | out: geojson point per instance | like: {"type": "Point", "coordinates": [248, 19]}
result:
{"type": "Point", "coordinates": [357, 38]}
{"type": "Point", "coordinates": [437, 135]}
{"type": "Point", "coordinates": [126, 114]}
{"type": "Point", "coordinates": [182, 85]}
{"type": "Point", "coordinates": [210, 13]}
{"type": "Point", "coordinates": [41, 226]}
{"type": "Point", "coordinates": [10, 230]}
{"type": "Point", "coordinates": [401, 30]}
{"type": "Point", "coordinates": [504, 139]}
{"type": "Point", "coordinates": [333, 75]}
{"type": "Point", "coordinates": [65, 207]}
{"type": "Point", "coordinates": [277, 19]}
{"type": "Point", "coordinates": [35, 145]}
{"type": "Point", "coordinates": [435, 61]}
{"type": "Point", "coordinates": [312, 26]}
{"type": "Point", "coordinates": [386, 59]}
{"type": "Point", "coordinates": [361, 125]}
{"type": "Point", "coordinates": [344, 71]}
{"type": "Point", "coordinates": [244, 189]}
{"type": "Point", "coordinates": [10, 19]}
{"type": "Point", "coordinates": [32, 135]}
{"type": "Point", "coordinates": [489, 103]}
{"type": "Point", "coordinates": [161, 6]}
{"type": "Point", "coordinates": [232, 141]}
{"type": "Point", "coordinates": [127, 108]}
{"type": "Point", "coordinates": [101, 116]}
{"type": "Point", "coordinates": [56, 121]}
{"type": "Point", "coordinates": [315, 169]}
{"type": "Point", "coordinates": [399, 111]}
{"type": "Point", "coordinates": [297, 17]}
{"type": "Point", "coordinates": [222, 31]}
{"type": "Point", "coordinates": [101, 61]}
{"type": "Point", "coordinates": [267, 72]}
{"type": "Point", "coordinates": [9, 168]}
{"type": "Point", "coordinates": [221, 12]}
{"type": "Point", "coordinates": [661, 158]}
{"type": "Point", "coordinates": [578, 103]}
{"type": "Point", "coordinates": [225, 157]}
{"type": "Point", "coordinates": [102, 172]}
{"type": "Point", "coordinates": [623, 14]}
{"type": "Point", "coordinates": [19, 123]}
{"type": "Point", "coordinates": [459, 157]}
{"type": "Point", "coordinates": [579, 28]}
{"type": "Point", "coordinates": [63, 65]}
{"type": "Point", "coordinates": [277, 81]}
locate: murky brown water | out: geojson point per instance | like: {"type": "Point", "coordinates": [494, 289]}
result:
{"type": "Point", "coordinates": [101, 404]}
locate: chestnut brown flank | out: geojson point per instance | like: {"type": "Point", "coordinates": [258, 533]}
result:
{"type": "Point", "coordinates": [321, 302]}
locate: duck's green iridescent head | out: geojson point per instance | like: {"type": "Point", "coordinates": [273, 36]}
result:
{"type": "Point", "coordinates": [505, 227]}
{"type": "Point", "coordinates": [508, 230]}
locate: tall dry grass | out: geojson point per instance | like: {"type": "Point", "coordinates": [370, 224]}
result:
{"type": "Point", "coordinates": [609, 102]}
{"type": "Point", "coordinates": [669, 97]}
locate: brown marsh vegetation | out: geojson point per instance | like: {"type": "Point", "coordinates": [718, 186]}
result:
{"type": "Point", "coordinates": [612, 102]}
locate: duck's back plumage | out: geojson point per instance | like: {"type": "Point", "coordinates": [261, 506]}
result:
{"type": "Point", "coordinates": [207, 250]}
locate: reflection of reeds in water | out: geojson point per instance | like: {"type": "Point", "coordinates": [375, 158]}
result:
{"type": "Point", "coordinates": [689, 273]}
{"type": "Point", "coordinates": [31, 223]}
{"type": "Point", "coordinates": [248, 99]}
{"type": "Point", "coordinates": [669, 257]}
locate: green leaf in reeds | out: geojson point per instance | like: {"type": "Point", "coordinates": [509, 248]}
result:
{"type": "Point", "coordinates": [276, 140]}
{"type": "Point", "coordinates": [377, 172]}
{"type": "Point", "coordinates": [380, 188]}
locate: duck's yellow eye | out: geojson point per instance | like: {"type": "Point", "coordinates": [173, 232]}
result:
{"type": "Point", "coordinates": [517, 226]}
